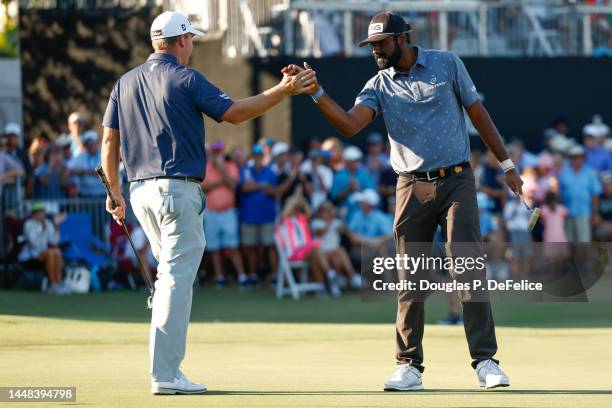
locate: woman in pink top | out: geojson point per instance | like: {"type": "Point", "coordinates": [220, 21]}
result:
{"type": "Point", "coordinates": [553, 217]}
{"type": "Point", "coordinates": [295, 238]}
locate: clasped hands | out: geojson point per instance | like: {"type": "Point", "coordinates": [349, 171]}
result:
{"type": "Point", "coordinates": [297, 80]}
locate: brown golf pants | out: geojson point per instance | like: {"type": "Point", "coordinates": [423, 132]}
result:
{"type": "Point", "coordinates": [420, 207]}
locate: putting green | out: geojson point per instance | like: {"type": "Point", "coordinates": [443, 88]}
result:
{"type": "Point", "coordinates": [279, 364]}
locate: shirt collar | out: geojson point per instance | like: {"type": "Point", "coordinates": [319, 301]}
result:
{"type": "Point", "coordinates": [421, 60]}
{"type": "Point", "coordinates": [158, 56]}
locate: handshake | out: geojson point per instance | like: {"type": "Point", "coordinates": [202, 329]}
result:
{"type": "Point", "coordinates": [297, 80]}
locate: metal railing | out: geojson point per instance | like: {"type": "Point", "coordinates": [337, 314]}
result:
{"type": "Point", "coordinates": [12, 206]}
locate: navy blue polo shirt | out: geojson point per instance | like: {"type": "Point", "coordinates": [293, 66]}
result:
{"type": "Point", "coordinates": [158, 108]}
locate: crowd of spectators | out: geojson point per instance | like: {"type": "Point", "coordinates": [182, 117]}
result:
{"type": "Point", "coordinates": [325, 202]}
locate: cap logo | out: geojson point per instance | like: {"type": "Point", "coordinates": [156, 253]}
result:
{"type": "Point", "coordinates": [375, 28]}
{"type": "Point", "coordinates": [155, 33]}
{"type": "Point", "coordinates": [183, 27]}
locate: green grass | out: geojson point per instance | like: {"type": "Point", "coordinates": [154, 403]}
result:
{"type": "Point", "coordinates": [254, 351]}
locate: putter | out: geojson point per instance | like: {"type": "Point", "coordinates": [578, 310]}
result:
{"type": "Point", "coordinates": [535, 214]}
{"type": "Point", "coordinates": [145, 275]}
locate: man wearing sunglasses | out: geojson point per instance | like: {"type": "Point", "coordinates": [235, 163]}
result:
{"type": "Point", "coordinates": [421, 95]}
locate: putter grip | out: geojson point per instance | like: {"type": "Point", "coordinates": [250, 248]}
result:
{"type": "Point", "coordinates": [104, 180]}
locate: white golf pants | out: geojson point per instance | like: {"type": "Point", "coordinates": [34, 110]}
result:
{"type": "Point", "coordinates": [171, 212]}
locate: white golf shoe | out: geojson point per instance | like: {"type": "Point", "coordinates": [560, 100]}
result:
{"type": "Point", "coordinates": [180, 385]}
{"type": "Point", "coordinates": [405, 378]}
{"type": "Point", "coordinates": [490, 375]}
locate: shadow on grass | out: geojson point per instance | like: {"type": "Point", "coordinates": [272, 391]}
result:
{"type": "Point", "coordinates": [425, 392]}
{"type": "Point", "coordinates": [231, 305]}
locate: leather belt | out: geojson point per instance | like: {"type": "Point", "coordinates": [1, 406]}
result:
{"type": "Point", "coordinates": [190, 179]}
{"type": "Point", "coordinates": [436, 174]}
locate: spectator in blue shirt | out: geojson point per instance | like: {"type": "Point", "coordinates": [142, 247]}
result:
{"type": "Point", "coordinates": [580, 188]}
{"type": "Point", "coordinates": [369, 225]}
{"type": "Point", "coordinates": [351, 179]}
{"type": "Point", "coordinates": [257, 210]}
{"type": "Point", "coordinates": [376, 160]}
{"type": "Point", "coordinates": [596, 156]}
{"type": "Point", "coordinates": [51, 179]}
{"type": "Point", "coordinates": [82, 167]}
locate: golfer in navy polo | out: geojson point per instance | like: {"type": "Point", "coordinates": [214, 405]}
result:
{"type": "Point", "coordinates": [154, 122]}
{"type": "Point", "coordinates": [421, 95]}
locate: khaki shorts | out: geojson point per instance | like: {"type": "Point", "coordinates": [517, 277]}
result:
{"type": "Point", "coordinates": [254, 234]}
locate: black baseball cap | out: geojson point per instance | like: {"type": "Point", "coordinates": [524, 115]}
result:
{"type": "Point", "coordinates": [385, 25]}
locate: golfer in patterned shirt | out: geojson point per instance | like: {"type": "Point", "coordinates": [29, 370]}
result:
{"type": "Point", "coordinates": [154, 118]}
{"type": "Point", "coordinates": [421, 95]}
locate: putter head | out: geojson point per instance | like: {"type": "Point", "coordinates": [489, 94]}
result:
{"type": "Point", "coordinates": [535, 215]}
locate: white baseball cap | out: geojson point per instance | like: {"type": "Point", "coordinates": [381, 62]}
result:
{"type": "Point", "coordinates": [576, 150]}
{"type": "Point", "coordinates": [12, 128]}
{"type": "Point", "coordinates": [279, 148]}
{"type": "Point", "coordinates": [171, 24]}
{"type": "Point", "coordinates": [594, 130]}
{"type": "Point", "coordinates": [367, 196]}
{"type": "Point", "coordinates": [351, 153]}
{"type": "Point", "coordinates": [76, 117]}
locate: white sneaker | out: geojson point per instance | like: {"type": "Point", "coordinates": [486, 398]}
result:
{"type": "Point", "coordinates": [490, 375]}
{"type": "Point", "coordinates": [53, 289]}
{"type": "Point", "coordinates": [64, 289]}
{"type": "Point", "coordinates": [180, 385]}
{"type": "Point", "coordinates": [334, 289]}
{"type": "Point", "coordinates": [405, 378]}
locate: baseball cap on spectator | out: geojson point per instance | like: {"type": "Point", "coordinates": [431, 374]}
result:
{"type": "Point", "coordinates": [217, 146]}
{"type": "Point", "coordinates": [37, 206]}
{"type": "Point", "coordinates": [375, 138]}
{"type": "Point", "coordinates": [593, 130]}
{"type": "Point", "coordinates": [279, 148]}
{"type": "Point", "coordinates": [352, 153]}
{"type": "Point", "coordinates": [575, 150]}
{"type": "Point", "coordinates": [76, 117]}
{"type": "Point", "coordinates": [600, 125]}
{"type": "Point", "coordinates": [64, 140]}
{"type": "Point", "coordinates": [385, 25]}
{"type": "Point", "coordinates": [257, 149]}
{"type": "Point", "coordinates": [268, 141]}
{"type": "Point", "coordinates": [172, 24]}
{"type": "Point", "coordinates": [12, 128]}
{"type": "Point", "coordinates": [560, 143]}
{"type": "Point", "coordinates": [367, 196]}
{"type": "Point", "coordinates": [90, 136]}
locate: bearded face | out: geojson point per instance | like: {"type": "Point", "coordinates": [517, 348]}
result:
{"type": "Point", "coordinates": [385, 61]}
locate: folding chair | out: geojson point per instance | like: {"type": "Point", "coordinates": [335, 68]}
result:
{"type": "Point", "coordinates": [285, 280]}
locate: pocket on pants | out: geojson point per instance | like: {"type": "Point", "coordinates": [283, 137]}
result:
{"type": "Point", "coordinates": [203, 200]}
